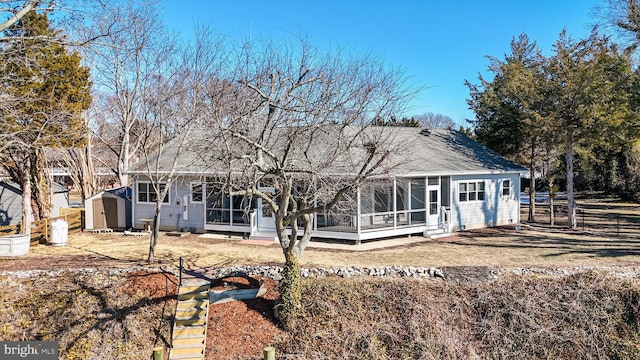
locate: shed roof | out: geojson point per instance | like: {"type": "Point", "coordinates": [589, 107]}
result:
{"type": "Point", "coordinates": [123, 192]}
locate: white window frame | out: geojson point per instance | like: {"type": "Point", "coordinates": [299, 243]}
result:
{"type": "Point", "coordinates": [479, 188]}
{"type": "Point", "coordinates": [151, 190]}
{"type": "Point", "coordinates": [202, 192]}
{"type": "Point", "coordinates": [509, 188]}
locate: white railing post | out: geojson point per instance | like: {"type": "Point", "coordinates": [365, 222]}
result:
{"type": "Point", "coordinates": [253, 223]}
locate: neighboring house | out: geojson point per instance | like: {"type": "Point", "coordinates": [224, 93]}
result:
{"type": "Point", "coordinates": [109, 209]}
{"type": "Point", "coordinates": [11, 202]}
{"type": "Point", "coordinates": [59, 198]}
{"type": "Point", "coordinates": [449, 183]}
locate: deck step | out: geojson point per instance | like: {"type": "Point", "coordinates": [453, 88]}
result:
{"type": "Point", "coordinates": [188, 342]}
{"type": "Point", "coordinates": [190, 313]}
{"type": "Point", "coordinates": [187, 357]}
{"type": "Point", "coordinates": [195, 288]}
{"type": "Point", "coordinates": [436, 233]}
{"type": "Point", "coordinates": [191, 321]}
{"type": "Point", "coordinates": [189, 335]}
{"type": "Point", "coordinates": [193, 296]}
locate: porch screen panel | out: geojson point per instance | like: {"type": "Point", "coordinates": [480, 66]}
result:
{"type": "Point", "coordinates": [341, 217]}
{"type": "Point", "coordinates": [218, 205]}
{"type": "Point", "coordinates": [403, 191]}
{"type": "Point", "coordinates": [242, 205]}
{"type": "Point", "coordinates": [418, 202]}
{"type": "Point", "coordinates": [377, 205]}
{"type": "Point", "coordinates": [382, 198]}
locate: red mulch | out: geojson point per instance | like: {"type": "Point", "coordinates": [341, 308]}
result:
{"type": "Point", "coordinates": [241, 329]}
{"type": "Point", "coordinates": [152, 284]}
{"type": "Point", "coordinates": [236, 330]}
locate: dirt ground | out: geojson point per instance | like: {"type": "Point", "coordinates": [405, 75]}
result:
{"type": "Point", "coordinates": [610, 237]}
{"type": "Point", "coordinates": [539, 245]}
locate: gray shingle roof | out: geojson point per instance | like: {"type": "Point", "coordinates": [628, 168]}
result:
{"type": "Point", "coordinates": [414, 151]}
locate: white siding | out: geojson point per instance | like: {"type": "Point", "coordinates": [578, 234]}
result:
{"type": "Point", "coordinates": [10, 205]}
{"type": "Point", "coordinates": [171, 214]}
{"type": "Point", "coordinates": [496, 209]}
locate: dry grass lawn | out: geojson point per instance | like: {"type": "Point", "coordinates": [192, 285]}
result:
{"type": "Point", "coordinates": [599, 245]}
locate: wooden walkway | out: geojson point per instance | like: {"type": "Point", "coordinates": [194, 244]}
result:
{"type": "Point", "coordinates": [189, 335]}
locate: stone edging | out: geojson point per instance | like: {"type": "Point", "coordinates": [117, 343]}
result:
{"type": "Point", "coordinates": [394, 271]}
{"type": "Point", "coordinates": [275, 272]}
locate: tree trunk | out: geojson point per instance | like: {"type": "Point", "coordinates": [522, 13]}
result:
{"type": "Point", "coordinates": [123, 161]}
{"type": "Point", "coordinates": [155, 232]}
{"type": "Point", "coordinates": [25, 183]}
{"type": "Point", "coordinates": [88, 179]}
{"type": "Point", "coordinates": [290, 291]}
{"type": "Point", "coordinates": [40, 185]}
{"type": "Point", "coordinates": [571, 204]}
{"type": "Point", "coordinates": [552, 194]}
{"type": "Point", "coordinates": [532, 194]}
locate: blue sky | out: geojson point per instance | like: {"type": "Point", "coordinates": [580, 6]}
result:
{"type": "Point", "coordinates": [439, 44]}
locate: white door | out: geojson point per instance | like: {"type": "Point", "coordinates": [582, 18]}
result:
{"type": "Point", "coordinates": [264, 216]}
{"type": "Point", "coordinates": [433, 201]}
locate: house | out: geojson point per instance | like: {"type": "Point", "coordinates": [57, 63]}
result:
{"type": "Point", "coordinates": [109, 209]}
{"type": "Point", "coordinates": [447, 183]}
{"type": "Point", "coordinates": [11, 202]}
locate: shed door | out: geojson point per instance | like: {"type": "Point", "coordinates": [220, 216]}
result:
{"type": "Point", "coordinates": [111, 212]}
{"type": "Point", "coordinates": [98, 214]}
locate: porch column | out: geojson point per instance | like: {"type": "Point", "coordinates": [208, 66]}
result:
{"type": "Point", "coordinates": [395, 210]}
{"type": "Point", "coordinates": [358, 212]}
{"type": "Point", "coordinates": [230, 210]}
{"type": "Point", "coordinates": [315, 203]}
{"type": "Point", "coordinates": [426, 200]}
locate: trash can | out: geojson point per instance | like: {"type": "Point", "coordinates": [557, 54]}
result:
{"type": "Point", "coordinates": [59, 232]}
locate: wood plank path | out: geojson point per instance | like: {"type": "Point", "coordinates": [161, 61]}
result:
{"type": "Point", "coordinates": [190, 326]}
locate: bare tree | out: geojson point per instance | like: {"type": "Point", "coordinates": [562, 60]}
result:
{"type": "Point", "coordinates": [176, 103]}
{"type": "Point", "coordinates": [126, 64]}
{"type": "Point", "coordinates": [298, 136]}
{"type": "Point", "coordinates": [11, 11]}
{"type": "Point", "coordinates": [79, 165]}
{"type": "Point", "coordinates": [432, 120]}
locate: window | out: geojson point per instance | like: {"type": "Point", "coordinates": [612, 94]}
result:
{"type": "Point", "coordinates": [147, 193]}
{"type": "Point", "coordinates": [471, 191]}
{"type": "Point", "coordinates": [506, 187]}
{"type": "Point", "coordinates": [462, 192]}
{"type": "Point", "coordinates": [197, 192]}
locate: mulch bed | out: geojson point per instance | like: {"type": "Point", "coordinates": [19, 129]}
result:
{"type": "Point", "coordinates": [241, 329]}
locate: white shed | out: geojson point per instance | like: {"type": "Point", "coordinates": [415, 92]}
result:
{"type": "Point", "coordinates": [109, 209]}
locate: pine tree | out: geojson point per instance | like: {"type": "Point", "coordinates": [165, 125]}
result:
{"type": "Point", "coordinates": [45, 90]}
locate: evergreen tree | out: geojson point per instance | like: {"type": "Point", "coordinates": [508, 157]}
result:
{"type": "Point", "coordinates": [511, 109]}
{"type": "Point", "coordinates": [590, 82]}
{"type": "Point", "coordinates": [45, 90]}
